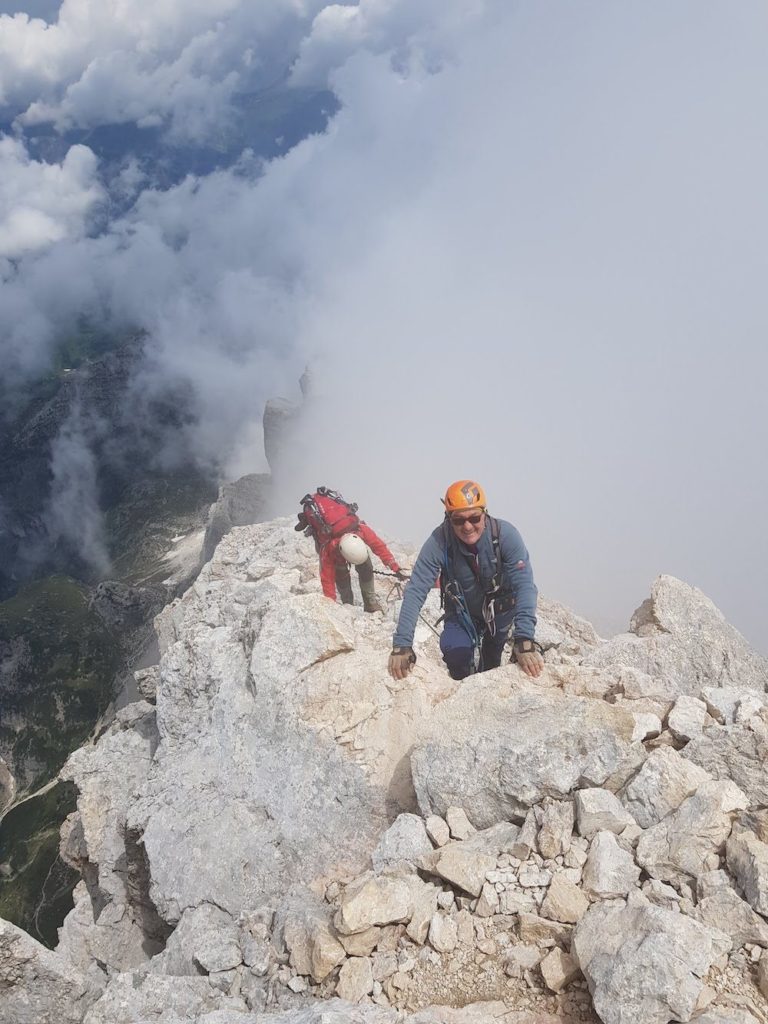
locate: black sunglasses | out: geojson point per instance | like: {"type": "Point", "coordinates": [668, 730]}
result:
{"type": "Point", "coordinates": [462, 520]}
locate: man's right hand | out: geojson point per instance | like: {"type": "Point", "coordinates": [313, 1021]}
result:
{"type": "Point", "coordinates": [401, 661]}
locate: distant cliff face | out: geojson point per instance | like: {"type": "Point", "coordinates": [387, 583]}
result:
{"type": "Point", "coordinates": [281, 822]}
{"type": "Point", "coordinates": [77, 471]}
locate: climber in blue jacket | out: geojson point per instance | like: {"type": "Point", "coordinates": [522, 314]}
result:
{"type": "Point", "coordinates": [487, 588]}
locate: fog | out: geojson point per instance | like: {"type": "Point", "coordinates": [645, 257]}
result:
{"type": "Point", "coordinates": [529, 249]}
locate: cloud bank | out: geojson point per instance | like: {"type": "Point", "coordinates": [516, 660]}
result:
{"type": "Point", "coordinates": [528, 248]}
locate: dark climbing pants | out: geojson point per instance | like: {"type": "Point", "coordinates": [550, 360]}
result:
{"type": "Point", "coordinates": [365, 577]}
{"type": "Point", "coordinates": [458, 650]}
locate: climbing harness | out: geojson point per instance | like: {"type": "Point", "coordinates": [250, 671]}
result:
{"type": "Point", "coordinates": [495, 599]}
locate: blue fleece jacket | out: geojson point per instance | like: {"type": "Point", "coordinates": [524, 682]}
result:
{"type": "Point", "coordinates": [516, 571]}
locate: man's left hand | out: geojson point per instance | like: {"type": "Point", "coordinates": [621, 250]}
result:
{"type": "Point", "coordinates": [526, 655]}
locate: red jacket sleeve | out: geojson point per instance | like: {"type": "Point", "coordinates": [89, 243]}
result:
{"type": "Point", "coordinates": [377, 545]}
{"type": "Point", "coordinates": [328, 568]}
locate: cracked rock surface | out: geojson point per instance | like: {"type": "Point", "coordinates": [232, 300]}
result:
{"type": "Point", "coordinates": [279, 832]}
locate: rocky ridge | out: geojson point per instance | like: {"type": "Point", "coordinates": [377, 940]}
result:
{"type": "Point", "coordinates": [277, 831]}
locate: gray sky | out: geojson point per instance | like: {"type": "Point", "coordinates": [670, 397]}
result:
{"type": "Point", "coordinates": [529, 249]}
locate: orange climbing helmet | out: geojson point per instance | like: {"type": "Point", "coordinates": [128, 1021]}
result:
{"type": "Point", "coordinates": [462, 495]}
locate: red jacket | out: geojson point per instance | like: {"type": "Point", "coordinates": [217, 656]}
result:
{"type": "Point", "coordinates": [330, 557]}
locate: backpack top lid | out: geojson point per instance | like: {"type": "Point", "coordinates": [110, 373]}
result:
{"type": "Point", "coordinates": [328, 514]}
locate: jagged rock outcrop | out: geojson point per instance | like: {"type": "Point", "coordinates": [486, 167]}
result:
{"type": "Point", "coordinates": [682, 639]}
{"type": "Point", "coordinates": [287, 823]}
{"type": "Point", "coordinates": [240, 503]}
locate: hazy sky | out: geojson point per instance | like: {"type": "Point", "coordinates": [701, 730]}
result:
{"type": "Point", "coordinates": [529, 248]}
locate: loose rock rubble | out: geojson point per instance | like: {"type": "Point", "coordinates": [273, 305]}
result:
{"type": "Point", "coordinates": [280, 832]}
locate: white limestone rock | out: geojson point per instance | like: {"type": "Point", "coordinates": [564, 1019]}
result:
{"type": "Point", "coordinates": [736, 752]}
{"type": "Point", "coordinates": [374, 900]}
{"type": "Point", "coordinates": [406, 839]}
{"type": "Point", "coordinates": [726, 910]}
{"type": "Point", "coordinates": [661, 894]}
{"type": "Point", "coordinates": [310, 938]}
{"type": "Point", "coordinates": [648, 725]}
{"type": "Point", "coordinates": [747, 860]}
{"type": "Point", "coordinates": [520, 958]}
{"type": "Point", "coordinates": [37, 984]}
{"type": "Point", "coordinates": [458, 823]}
{"type": "Point", "coordinates": [463, 868]}
{"type": "Point", "coordinates": [424, 908]}
{"type": "Point", "coordinates": [558, 626]}
{"type": "Point", "coordinates": [680, 636]}
{"type": "Point", "coordinates": [559, 969]}
{"type": "Point", "coordinates": [598, 810]}
{"type": "Point", "coordinates": [437, 830]}
{"type": "Point", "coordinates": [688, 840]}
{"type": "Point", "coordinates": [564, 901]}
{"type": "Point", "coordinates": [205, 940]}
{"type": "Point", "coordinates": [663, 782]}
{"type": "Point", "coordinates": [355, 979]}
{"type": "Point", "coordinates": [363, 943]}
{"type": "Point", "coordinates": [723, 701]}
{"type": "Point", "coordinates": [507, 754]}
{"type": "Point", "coordinates": [687, 718]}
{"type": "Point", "coordinates": [609, 871]}
{"type": "Point", "coordinates": [125, 931]}
{"type": "Point", "coordinates": [466, 863]}
{"type": "Point", "coordinates": [726, 1015]}
{"type": "Point", "coordinates": [133, 996]}
{"type": "Point", "coordinates": [443, 932]}
{"type": "Point", "coordinates": [710, 882]}
{"type": "Point", "coordinates": [542, 932]}
{"type": "Point", "coordinates": [555, 827]}
{"type": "Point", "coordinates": [643, 963]}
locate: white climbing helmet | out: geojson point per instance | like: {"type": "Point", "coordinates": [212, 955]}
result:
{"type": "Point", "coordinates": [353, 548]}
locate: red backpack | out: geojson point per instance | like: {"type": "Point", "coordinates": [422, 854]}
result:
{"type": "Point", "coordinates": [328, 515]}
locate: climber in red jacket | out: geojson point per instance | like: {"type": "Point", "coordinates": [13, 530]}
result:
{"type": "Point", "coordinates": [342, 539]}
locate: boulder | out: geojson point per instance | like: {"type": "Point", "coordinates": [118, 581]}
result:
{"type": "Point", "coordinates": [374, 900]}
{"type": "Point", "coordinates": [465, 869]}
{"type": "Point", "coordinates": [644, 963]}
{"type": "Point", "coordinates": [564, 901]}
{"type": "Point", "coordinates": [459, 825]}
{"type": "Point", "coordinates": [506, 755]}
{"type": "Point", "coordinates": [205, 940]}
{"type": "Point", "coordinates": [310, 938]}
{"type": "Point", "coordinates": [723, 701]}
{"type": "Point", "coordinates": [406, 839]}
{"type": "Point", "coordinates": [687, 718]}
{"type": "Point", "coordinates": [437, 829]}
{"type": "Point", "coordinates": [598, 810]}
{"type": "Point", "coordinates": [661, 785]}
{"type": "Point", "coordinates": [688, 841]}
{"type": "Point", "coordinates": [355, 979]}
{"type": "Point", "coordinates": [38, 986]}
{"type": "Point", "coordinates": [609, 871]}
{"type": "Point", "coordinates": [734, 752]}
{"type": "Point", "coordinates": [679, 636]}
{"type": "Point", "coordinates": [443, 932]}
{"type": "Point", "coordinates": [558, 969]}
{"type": "Point", "coordinates": [726, 910]}
{"type": "Point", "coordinates": [555, 827]}
{"type": "Point", "coordinates": [747, 860]}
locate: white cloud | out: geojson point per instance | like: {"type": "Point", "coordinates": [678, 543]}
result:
{"type": "Point", "coordinates": [105, 61]}
{"type": "Point", "coordinates": [43, 203]}
{"type": "Point", "coordinates": [529, 248]}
